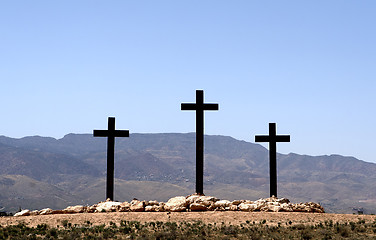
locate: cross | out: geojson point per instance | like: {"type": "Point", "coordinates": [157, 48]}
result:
{"type": "Point", "coordinates": [199, 107]}
{"type": "Point", "coordinates": [111, 133]}
{"type": "Point", "coordinates": [273, 139]}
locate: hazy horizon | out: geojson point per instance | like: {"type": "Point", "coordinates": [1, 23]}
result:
{"type": "Point", "coordinates": [264, 145]}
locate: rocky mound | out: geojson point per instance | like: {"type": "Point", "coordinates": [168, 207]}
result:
{"type": "Point", "coordinates": [189, 203]}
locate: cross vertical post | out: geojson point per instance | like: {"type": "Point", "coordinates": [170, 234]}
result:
{"type": "Point", "coordinates": [200, 144]}
{"type": "Point", "coordinates": [110, 159]}
{"type": "Point", "coordinates": [199, 107]}
{"type": "Point", "coordinates": [273, 138]}
{"type": "Point", "coordinates": [111, 133]}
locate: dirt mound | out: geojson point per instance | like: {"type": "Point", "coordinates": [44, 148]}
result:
{"type": "Point", "coordinates": [213, 217]}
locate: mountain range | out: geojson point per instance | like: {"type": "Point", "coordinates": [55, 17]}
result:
{"type": "Point", "coordinates": [39, 172]}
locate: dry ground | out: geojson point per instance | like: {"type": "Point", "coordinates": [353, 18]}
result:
{"type": "Point", "coordinates": [234, 218]}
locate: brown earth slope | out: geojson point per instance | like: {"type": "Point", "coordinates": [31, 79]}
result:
{"type": "Point", "coordinates": [234, 218]}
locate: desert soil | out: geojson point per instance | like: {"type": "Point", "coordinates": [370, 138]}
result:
{"type": "Point", "coordinates": [235, 218]}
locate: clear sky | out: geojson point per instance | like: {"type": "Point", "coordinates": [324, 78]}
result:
{"type": "Point", "coordinates": [309, 66]}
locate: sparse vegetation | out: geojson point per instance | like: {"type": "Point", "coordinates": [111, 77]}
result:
{"type": "Point", "coordinates": [193, 230]}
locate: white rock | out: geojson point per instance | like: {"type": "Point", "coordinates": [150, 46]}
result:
{"type": "Point", "coordinates": [124, 207]}
{"type": "Point", "coordinates": [247, 207]}
{"type": "Point", "coordinates": [153, 208]}
{"type": "Point", "coordinates": [74, 209]}
{"type": "Point", "coordinates": [150, 208]}
{"type": "Point", "coordinates": [261, 202]}
{"type": "Point", "coordinates": [237, 202]}
{"type": "Point", "coordinates": [107, 206]}
{"type": "Point", "coordinates": [283, 200]}
{"type": "Point", "coordinates": [92, 209]}
{"type": "Point", "coordinates": [233, 208]}
{"type": "Point", "coordinates": [191, 199]}
{"type": "Point", "coordinates": [25, 212]}
{"type": "Point", "coordinates": [45, 211]}
{"type": "Point", "coordinates": [161, 207]}
{"type": "Point", "coordinates": [286, 207]}
{"type": "Point", "coordinates": [222, 203]}
{"type": "Point", "coordinates": [207, 199]}
{"type": "Point", "coordinates": [137, 206]}
{"type": "Point", "coordinates": [274, 208]}
{"type": "Point", "coordinates": [176, 204]}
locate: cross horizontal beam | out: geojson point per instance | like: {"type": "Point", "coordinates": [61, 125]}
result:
{"type": "Point", "coordinates": [279, 138]}
{"type": "Point", "coordinates": [205, 106]}
{"type": "Point", "coordinates": [107, 133]}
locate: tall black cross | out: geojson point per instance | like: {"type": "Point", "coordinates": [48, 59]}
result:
{"type": "Point", "coordinates": [272, 138]}
{"type": "Point", "coordinates": [111, 133]}
{"type": "Point", "coordinates": [199, 107]}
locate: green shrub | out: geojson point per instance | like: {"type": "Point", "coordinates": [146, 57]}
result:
{"type": "Point", "coordinates": [193, 230]}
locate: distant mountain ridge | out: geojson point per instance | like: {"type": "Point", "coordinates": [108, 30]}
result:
{"type": "Point", "coordinates": [39, 164]}
{"type": "Point", "coordinates": [76, 164]}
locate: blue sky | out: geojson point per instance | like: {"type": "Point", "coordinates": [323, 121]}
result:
{"type": "Point", "coordinates": [309, 66]}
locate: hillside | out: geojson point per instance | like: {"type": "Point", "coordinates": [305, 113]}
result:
{"type": "Point", "coordinates": [76, 165]}
{"type": "Point", "coordinates": [18, 191]}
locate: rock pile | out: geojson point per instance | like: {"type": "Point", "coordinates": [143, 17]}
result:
{"type": "Point", "coordinates": [189, 203]}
